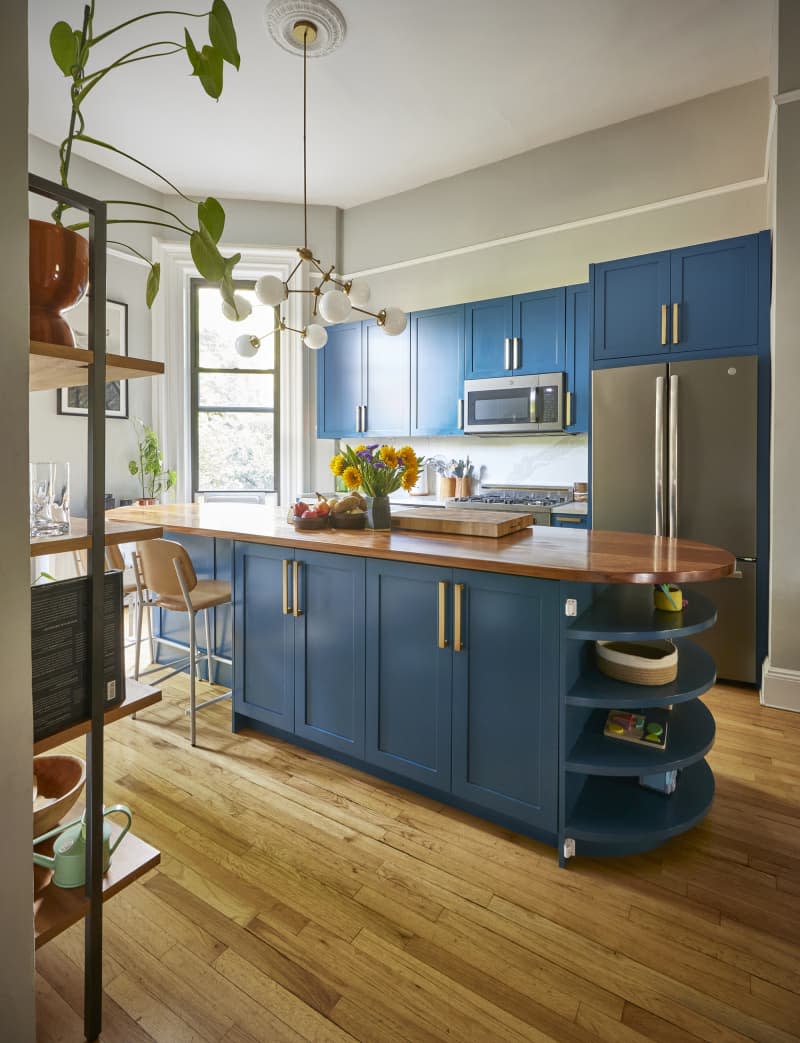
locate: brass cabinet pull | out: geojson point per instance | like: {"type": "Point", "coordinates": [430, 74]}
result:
{"type": "Point", "coordinates": [460, 423]}
{"type": "Point", "coordinates": [675, 326]}
{"type": "Point", "coordinates": [458, 591]}
{"type": "Point", "coordinates": [296, 584]}
{"type": "Point", "coordinates": [572, 519]}
{"type": "Point", "coordinates": [286, 609]}
{"type": "Point", "coordinates": [568, 421]}
{"type": "Point", "coordinates": [442, 614]}
{"type": "Point", "coordinates": [663, 324]}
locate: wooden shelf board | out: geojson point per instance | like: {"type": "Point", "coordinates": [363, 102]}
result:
{"type": "Point", "coordinates": [78, 538]}
{"type": "Point", "coordinates": [137, 697]}
{"type": "Point", "coordinates": [56, 366]}
{"type": "Point", "coordinates": [57, 908]}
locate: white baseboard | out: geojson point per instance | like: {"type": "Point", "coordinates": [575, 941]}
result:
{"type": "Point", "coordinates": [780, 688]}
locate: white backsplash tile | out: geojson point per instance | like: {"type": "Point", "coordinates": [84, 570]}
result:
{"type": "Point", "coordinates": [538, 460]}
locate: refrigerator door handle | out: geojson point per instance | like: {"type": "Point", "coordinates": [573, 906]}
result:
{"type": "Point", "coordinates": [659, 458]}
{"type": "Point", "coordinates": [673, 455]}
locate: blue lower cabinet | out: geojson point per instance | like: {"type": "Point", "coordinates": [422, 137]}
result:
{"type": "Point", "coordinates": [329, 650]}
{"type": "Point", "coordinates": [264, 636]}
{"type": "Point", "coordinates": [570, 521]}
{"type": "Point", "coordinates": [408, 674]}
{"type": "Point", "coordinates": [505, 696]}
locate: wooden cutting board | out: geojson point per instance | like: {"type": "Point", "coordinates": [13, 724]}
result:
{"type": "Point", "coordinates": [456, 521]}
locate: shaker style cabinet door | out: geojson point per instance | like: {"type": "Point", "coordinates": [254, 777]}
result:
{"type": "Point", "coordinates": [437, 371]}
{"type": "Point", "coordinates": [488, 325]}
{"type": "Point", "coordinates": [329, 651]}
{"type": "Point", "coordinates": [387, 382]}
{"type": "Point", "coordinates": [576, 414]}
{"type": "Point", "coordinates": [505, 696]}
{"type": "Point", "coordinates": [339, 382]}
{"type": "Point", "coordinates": [263, 636]}
{"type": "Point", "coordinates": [538, 327]}
{"type": "Point", "coordinates": [631, 307]}
{"type": "Point", "coordinates": [408, 674]}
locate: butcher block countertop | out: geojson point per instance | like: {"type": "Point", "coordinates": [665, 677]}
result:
{"type": "Point", "coordinates": [549, 553]}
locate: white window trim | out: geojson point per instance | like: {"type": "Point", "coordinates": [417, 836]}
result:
{"type": "Point", "coordinates": [171, 393]}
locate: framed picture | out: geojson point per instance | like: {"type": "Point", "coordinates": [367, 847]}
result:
{"type": "Point", "coordinates": [75, 401]}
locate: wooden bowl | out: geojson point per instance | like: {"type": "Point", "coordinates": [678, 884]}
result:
{"type": "Point", "coordinates": [311, 523]}
{"type": "Point", "coordinates": [58, 782]}
{"type": "Point", "coordinates": [349, 521]}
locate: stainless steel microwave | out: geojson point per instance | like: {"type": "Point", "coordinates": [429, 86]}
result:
{"type": "Point", "coordinates": [514, 405]}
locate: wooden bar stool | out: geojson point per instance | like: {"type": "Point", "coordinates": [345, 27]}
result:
{"type": "Point", "coordinates": [165, 578]}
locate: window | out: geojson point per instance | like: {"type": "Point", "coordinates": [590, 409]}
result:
{"type": "Point", "coordinates": [235, 426]}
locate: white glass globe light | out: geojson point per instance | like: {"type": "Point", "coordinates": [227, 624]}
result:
{"type": "Point", "coordinates": [358, 293]}
{"type": "Point", "coordinates": [334, 306]}
{"type": "Point", "coordinates": [243, 307]}
{"type": "Point", "coordinates": [270, 290]}
{"type": "Point", "coordinates": [247, 345]}
{"type": "Point", "coordinates": [395, 321]}
{"type": "Point", "coordinates": [316, 336]}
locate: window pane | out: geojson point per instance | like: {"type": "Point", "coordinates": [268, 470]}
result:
{"type": "Point", "coordinates": [236, 389]}
{"type": "Point", "coordinates": [235, 451]}
{"type": "Point", "coordinates": [216, 334]}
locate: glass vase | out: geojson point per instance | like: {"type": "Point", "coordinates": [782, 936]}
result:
{"type": "Point", "coordinates": [379, 513]}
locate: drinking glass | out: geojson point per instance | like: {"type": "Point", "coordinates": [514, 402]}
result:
{"type": "Point", "coordinates": [49, 499]}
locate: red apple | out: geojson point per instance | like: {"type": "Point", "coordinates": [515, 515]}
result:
{"type": "Point", "coordinates": [300, 508]}
{"type": "Point", "coordinates": [310, 513]}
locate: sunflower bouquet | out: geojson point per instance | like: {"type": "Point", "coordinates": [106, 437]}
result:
{"type": "Point", "coordinates": [377, 469]}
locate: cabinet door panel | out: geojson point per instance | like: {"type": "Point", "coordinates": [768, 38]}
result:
{"type": "Point", "coordinates": [329, 651]}
{"type": "Point", "coordinates": [578, 365]}
{"type": "Point", "coordinates": [339, 381]}
{"type": "Point", "coordinates": [387, 382]}
{"type": "Point", "coordinates": [505, 697]}
{"type": "Point", "coordinates": [408, 675]}
{"type": "Point", "coordinates": [539, 325]}
{"type": "Point", "coordinates": [628, 299]}
{"type": "Point", "coordinates": [716, 289]}
{"type": "Point", "coordinates": [264, 638]}
{"type": "Point", "coordinates": [437, 370]}
{"type": "Point", "coordinates": [488, 324]}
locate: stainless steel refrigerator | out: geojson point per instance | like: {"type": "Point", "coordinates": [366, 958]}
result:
{"type": "Point", "coordinates": [674, 453]}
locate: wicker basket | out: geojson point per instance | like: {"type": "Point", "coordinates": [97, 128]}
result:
{"type": "Point", "coordinates": [638, 662]}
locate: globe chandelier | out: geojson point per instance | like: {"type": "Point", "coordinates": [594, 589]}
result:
{"type": "Point", "coordinates": [335, 299]}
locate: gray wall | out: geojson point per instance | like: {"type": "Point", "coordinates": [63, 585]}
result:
{"type": "Point", "coordinates": [16, 725]}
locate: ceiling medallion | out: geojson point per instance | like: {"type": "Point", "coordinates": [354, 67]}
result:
{"type": "Point", "coordinates": [281, 16]}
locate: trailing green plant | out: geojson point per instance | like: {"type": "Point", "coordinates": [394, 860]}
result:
{"type": "Point", "coordinates": [149, 467]}
{"type": "Point", "coordinates": [73, 50]}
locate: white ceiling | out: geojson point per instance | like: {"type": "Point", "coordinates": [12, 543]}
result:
{"type": "Point", "coordinates": [419, 90]}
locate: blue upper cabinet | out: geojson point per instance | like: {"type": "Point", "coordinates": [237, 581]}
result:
{"type": "Point", "coordinates": [521, 334]}
{"type": "Point", "coordinates": [714, 296]}
{"type": "Point", "coordinates": [387, 386]}
{"type": "Point", "coordinates": [631, 306]}
{"type": "Point", "coordinates": [437, 371]}
{"type": "Point", "coordinates": [339, 382]}
{"type": "Point", "coordinates": [576, 413]}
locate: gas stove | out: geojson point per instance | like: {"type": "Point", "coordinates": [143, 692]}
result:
{"type": "Point", "coordinates": [535, 500]}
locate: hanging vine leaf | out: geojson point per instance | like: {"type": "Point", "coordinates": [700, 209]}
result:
{"type": "Point", "coordinates": [206, 66]}
{"type": "Point", "coordinates": [209, 261]}
{"type": "Point", "coordinates": [65, 46]}
{"type": "Point", "coordinates": [211, 216]}
{"type": "Point", "coordinates": [222, 33]}
{"type": "Point", "coordinates": [153, 283]}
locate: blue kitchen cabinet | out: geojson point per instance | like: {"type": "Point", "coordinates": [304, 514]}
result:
{"type": "Point", "coordinates": [437, 371]}
{"type": "Point", "coordinates": [563, 520]}
{"type": "Point", "coordinates": [386, 382]}
{"type": "Point", "coordinates": [576, 412]}
{"type": "Point", "coordinates": [339, 382]}
{"type": "Point", "coordinates": [299, 653]}
{"type": "Point", "coordinates": [516, 335]}
{"type": "Point", "coordinates": [631, 306]}
{"type": "Point", "coordinates": [408, 673]}
{"type": "Point", "coordinates": [505, 708]}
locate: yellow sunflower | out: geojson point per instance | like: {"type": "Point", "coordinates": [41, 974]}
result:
{"type": "Point", "coordinates": [337, 464]}
{"type": "Point", "coordinates": [407, 456]}
{"type": "Point", "coordinates": [352, 478]}
{"type": "Point", "coordinates": [409, 479]}
{"type": "Point", "coordinates": [359, 449]}
{"type": "Point", "coordinates": [388, 454]}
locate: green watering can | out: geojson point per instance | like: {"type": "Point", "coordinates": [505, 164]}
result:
{"type": "Point", "coordinates": [69, 851]}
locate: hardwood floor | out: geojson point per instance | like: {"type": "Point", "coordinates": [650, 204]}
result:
{"type": "Point", "coordinates": [298, 899]}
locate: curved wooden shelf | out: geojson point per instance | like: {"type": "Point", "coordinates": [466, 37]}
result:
{"type": "Point", "coordinates": [689, 738]}
{"type": "Point", "coordinates": [627, 614]}
{"type": "Point", "coordinates": [615, 811]}
{"type": "Point", "coordinates": [56, 366]}
{"type": "Point", "coordinates": [696, 674]}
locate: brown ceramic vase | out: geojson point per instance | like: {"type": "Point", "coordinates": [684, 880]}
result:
{"type": "Point", "coordinates": [59, 275]}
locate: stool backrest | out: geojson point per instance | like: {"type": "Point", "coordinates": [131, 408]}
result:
{"type": "Point", "coordinates": [160, 577]}
{"type": "Point", "coordinates": [114, 559]}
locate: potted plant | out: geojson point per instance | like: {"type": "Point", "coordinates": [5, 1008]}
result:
{"type": "Point", "coordinates": [59, 256]}
{"type": "Point", "coordinates": [149, 468]}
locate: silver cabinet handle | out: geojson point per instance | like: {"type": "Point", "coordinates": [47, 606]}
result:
{"type": "Point", "coordinates": [659, 458]}
{"type": "Point", "coordinates": [516, 359]}
{"type": "Point", "coordinates": [460, 420]}
{"type": "Point", "coordinates": [673, 455]}
{"type": "Point", "coordinates": [568, 421]}
{"type": "Point", "coordinates": [676, 330]}
{"type": "Point", "coordinates": [506, 353]}
{"type": "Point", "coordinates": [358, 419]}
{"type": "Point", "coordinates": [363, 418]}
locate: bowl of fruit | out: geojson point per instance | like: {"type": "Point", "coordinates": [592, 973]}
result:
{"type": "Point", "coordinates": [307, 516]}
{"type": "Point", "coordinates": [349, 513]}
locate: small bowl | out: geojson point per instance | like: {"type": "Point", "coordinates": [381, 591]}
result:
{"type": "Point", "coordinates": [349, 521]}
{"type": "Point", "coordinates": [59, 782]}
{"type": "Point", "coordinates": [311, 523]}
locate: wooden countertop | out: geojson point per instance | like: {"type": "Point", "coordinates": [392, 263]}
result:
{"type": "Point", "coordinates": [550, 553]}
